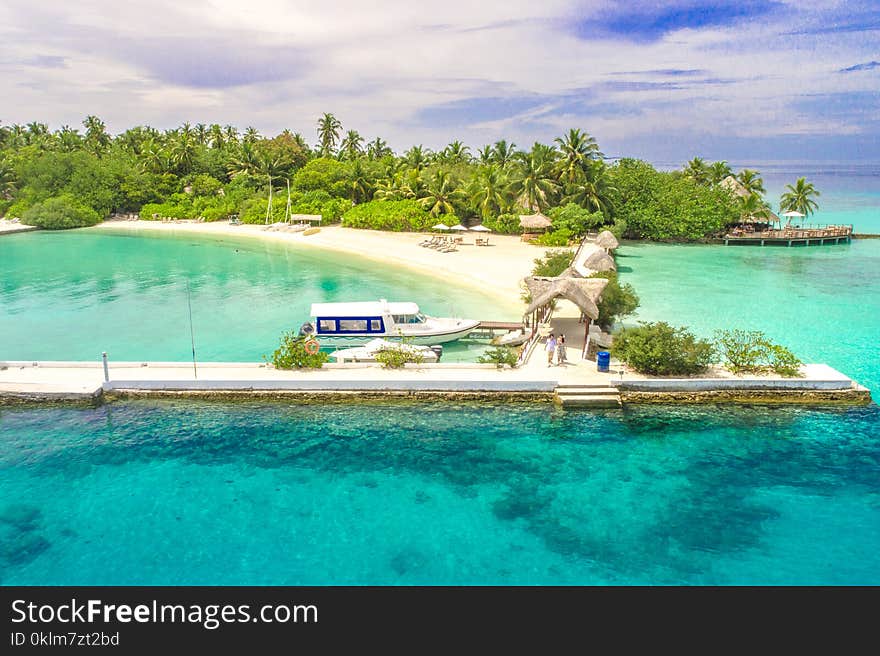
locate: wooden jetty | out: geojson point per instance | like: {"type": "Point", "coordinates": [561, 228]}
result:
{"type": "Point", "coordinates": [486, 329]}
{"type": "Point", "coordinates": [803, 236]}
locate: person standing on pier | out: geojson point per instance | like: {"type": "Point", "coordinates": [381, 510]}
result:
{"type": "Point", "coordinates": [551, 349]}
{"type": "Point", "coordinates": [560, 350]}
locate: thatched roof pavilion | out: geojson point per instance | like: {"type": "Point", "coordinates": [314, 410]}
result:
{"type": "Point", "coordinates": [735, 187]}
{"type": "Point", "coordinates": [590, 259]}
{"type": "Point", "coordinates": [583, 292]}
{"type": "Point", "coordinates": [606, 240]}
{"type": "Point", "coordinates": [739, 190]}
{"type": "Point", "coordinates": [535, 221]}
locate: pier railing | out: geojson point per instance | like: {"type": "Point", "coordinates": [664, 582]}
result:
{"type": "Point", "coordinates": [800, 234]}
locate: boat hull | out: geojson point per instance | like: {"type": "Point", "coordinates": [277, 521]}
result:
{"type": "Point", "coordinates": [345, 341]}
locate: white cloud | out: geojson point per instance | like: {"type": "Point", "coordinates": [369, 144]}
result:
{"type": "Point", "coordinates": [379, 65]}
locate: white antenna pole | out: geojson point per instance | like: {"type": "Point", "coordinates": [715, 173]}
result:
{"type": "Point", "coordinates": [192, 336]}
{"type": "Point", "coordinates": [269, 206]}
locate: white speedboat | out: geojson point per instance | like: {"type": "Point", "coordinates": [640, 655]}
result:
{"type": "Point", "coordinates": [349, 324]}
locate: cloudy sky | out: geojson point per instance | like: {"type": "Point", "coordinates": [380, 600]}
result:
{"type": "Point", "coordinates": [740, 79]}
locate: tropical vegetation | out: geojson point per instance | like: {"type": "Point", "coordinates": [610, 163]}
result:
{"type": "Point", "coordinates": [213, 172]}
{"type": "Point", "coordinates": [660, 349]}
{"type": "Point", "coordinates": [751, 351]}
{"type": "Point", "coordinates": [292, 353]}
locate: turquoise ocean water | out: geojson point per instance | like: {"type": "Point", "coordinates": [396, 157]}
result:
{"type": "Point", "coordinates": [70, 296]}
{"type": "Point", "coordinates": [211, 493]}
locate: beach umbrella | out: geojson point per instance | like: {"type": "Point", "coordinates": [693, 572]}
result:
{"type": "Point", "coordinates": [441, 226]}
{"type": "Point", "coordinates": [480, 228]}
{"type": "Point", "coordinates": [458, 227]}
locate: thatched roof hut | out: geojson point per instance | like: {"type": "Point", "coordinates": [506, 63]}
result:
{"type": "Point", "coordinates": [535, 221]}
{"type": "Point", "coordinates": [583, 292]}
{"type": "Point", "coordinates": [606, 240]}
{"type": "Point", "coordinates": [589, 260]}
{"type": "Point", "coordinates": [739, 190]}
{"type": "Point", "coordinates": [735, 187]}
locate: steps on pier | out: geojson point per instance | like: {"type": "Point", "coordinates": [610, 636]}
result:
{"type": "Point", "coordinates": [588, 396]}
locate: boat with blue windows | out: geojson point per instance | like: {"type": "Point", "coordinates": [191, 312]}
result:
{"type": "Point", "coordinates": [347, 324]}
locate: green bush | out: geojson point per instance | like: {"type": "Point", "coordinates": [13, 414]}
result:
{"type": "Point", "coordinates": [662, 350]}
{"type": "Point", "coordinates": [394, 357]}
{"type": "Point", "coordinates": [617, 301]}
{"type": "Point", "coordinates": [61, 212]}
{"type": "Point", "coordinates": [292, 354]}
{"type": "Point", "coordinates": [561, 237]}
{"type": "Point", "coordinates": [666, 206]}
{"type": "Point", "coordinates": [576, 219]}
{"type": "Point", "coordinates": [553, 263]}
{"type": "Point", "coordinates": [499, 356]}
{"type": "Point", "coordinates": [394, 215]}
{"type": "Point", "coordinates": [750, 351]}
{"type": "Point", "coordinates": [505, 224]}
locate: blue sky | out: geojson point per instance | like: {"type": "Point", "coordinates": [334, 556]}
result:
{"type": "Point", "coordinates": [752, 79]}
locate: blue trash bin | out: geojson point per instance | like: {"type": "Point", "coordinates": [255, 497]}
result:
{"type": "Point", "coordinates": [603, 360]}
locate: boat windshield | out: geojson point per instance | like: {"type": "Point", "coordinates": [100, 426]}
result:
{"type": "Point", "coordinates": [409, 318]}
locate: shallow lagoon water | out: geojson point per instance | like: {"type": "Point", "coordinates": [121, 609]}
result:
{"type": "Point", "coordinates": [200, 493]}
{"type": "Point", "coordinates": [70, 296]}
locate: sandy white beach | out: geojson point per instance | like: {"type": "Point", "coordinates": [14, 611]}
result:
{"type": "Point", "coordinates": [496, 269]}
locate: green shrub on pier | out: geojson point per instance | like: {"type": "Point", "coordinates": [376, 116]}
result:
{"type": "Point", "coordinates": [499, 356]}
{"type": "Point", "coordinates": [662, 350]}
{"type": "Point", "coordinates": [751, 351]}
{"type": "Point", "coordinates": [292, 354]}
{"type": "Point", "coordinates": [617, 300]}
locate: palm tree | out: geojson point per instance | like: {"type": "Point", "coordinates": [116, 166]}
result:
{"type": "Point", "coordinates": [753, 207]}
{"type": "Point", "coordinates": [441, 192]}
{"type": "Point", "coordinates": [456, 153]}
{"type": "Point", "coordinates": [416, 157]}
{"type": "Point", "coordinates": [352, 144]}
{"type": "Point", "coordinates": [216, 136]}
{"type": "Point", "coordinates": [800, 198]}
{"type": "Point", "coordinates": [245, 161]}
{"type": "Point", "coordinates": [231, 134]}
{"type": "Point", "coordinates": [489, 190]}
{"type": "Point", "coordinates": [593, 191]}
{"type": "Point", "coordinates": [718, 171]}
{"type": "Point", "coordinates": [250, 135]}
{"type": "Point", "coordinates": [503, 153]}
{"type": "Point", "coordinates": [697, 170]}
{"type": "Point", "coordinates": [533, 184]}
{"type": "Point", "coordinates": [378, 148]}
{"type": "Point", "coordinates": [183, 149]}
{"type": "Point", "coordinates": [486, 155]}
{"type": "Point", "coordinates": [751, 181]}
{"type": "Point", "coordinates": [328, 133]}
{"type": "Point", "coordinates": [202, 134]}
{"type": "Point", "coordinates": [69, 139]}
{"type": "Point", "coordinates": [7, 180]}
{"type": "Point", "coordinates": [358, 183]}
{"type": "Point", "coordinates": [96, 133]}
{"type": "Point", "coordinates": [37, 134]}
{"type": "Point", "coordinates": [154, 157]}
{"type": "Point", "coordinates": [578, 148]}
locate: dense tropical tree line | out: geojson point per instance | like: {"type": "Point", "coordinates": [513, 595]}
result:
{"type": "Point", "coordinates": [216, 171]}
